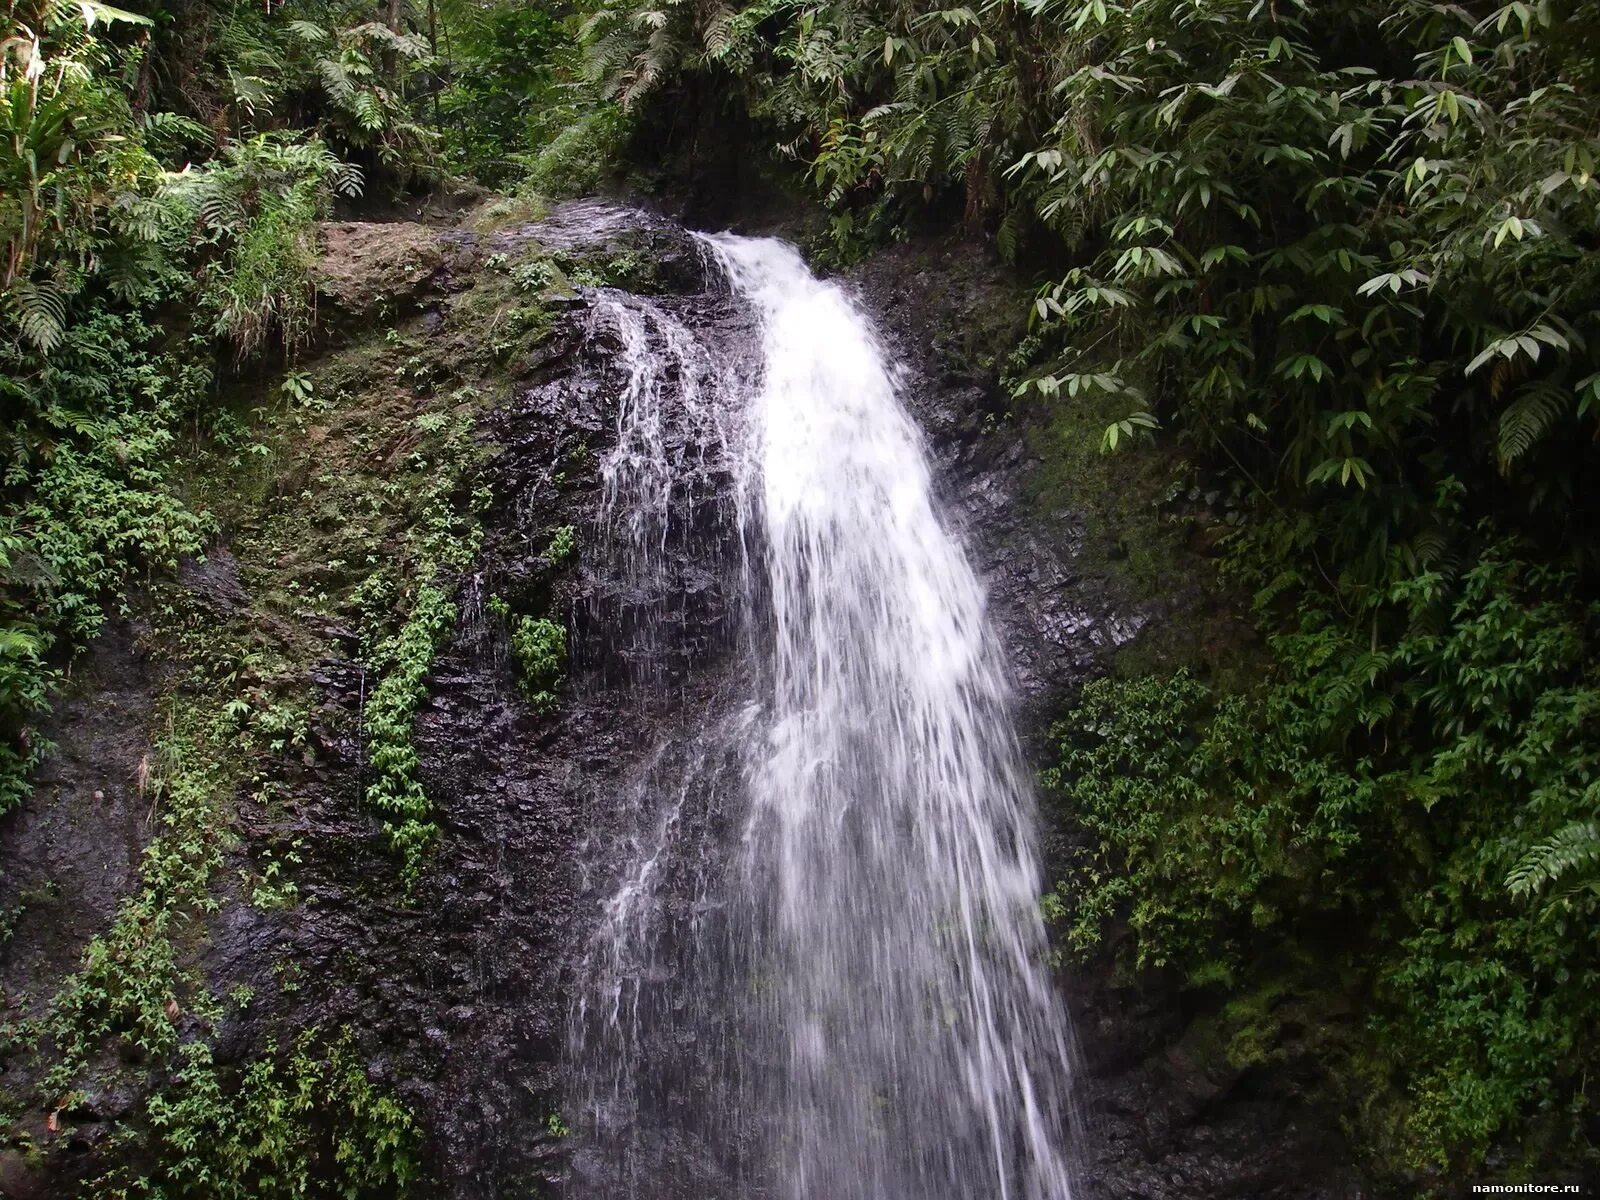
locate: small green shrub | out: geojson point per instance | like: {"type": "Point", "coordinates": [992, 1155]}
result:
{"type": "Point", "coordinates": [396, 791]}
{"type": "Point", "coordinates": [306, 1123]}
{"type": "Point", "coordinates": [563, 545]}
{"type": "Point", "coordinates": [540, 648]}
{"type": "Point", "coordinates": [535, 275]}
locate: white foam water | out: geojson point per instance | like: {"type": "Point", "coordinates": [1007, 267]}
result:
{"type": "Point", "coordinates": [864, 983]}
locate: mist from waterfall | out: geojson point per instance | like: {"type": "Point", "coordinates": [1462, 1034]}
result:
{"type": "Point", "coordinates": [820, 972]}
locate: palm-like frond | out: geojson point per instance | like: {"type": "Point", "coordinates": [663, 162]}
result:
{"type": "Point", "coordinates": [1537, 409]}
{"type": "Point", "coordinates": [1570, 857]}
{"type": "Point", "coordinates": [40, 311]}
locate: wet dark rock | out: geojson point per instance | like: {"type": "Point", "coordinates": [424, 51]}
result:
{"type": "Point", "coordinates": [458, 995]}
{"type": "Point", "coordinates": [214, 581]}
{"type": "Point", "coordinates": [108, 1095]}
{"type": "Point", "coordinates": [23, 1177]}
{"type": "Point", "coordinates": [463, 991]}
{"type": "Point", "coordinates": [71, 852]}
{"type": "Point", "coordinates": [597, 240]}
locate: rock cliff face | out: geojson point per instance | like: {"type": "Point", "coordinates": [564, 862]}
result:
{"type": "Point", "coordinates": [457, 994]}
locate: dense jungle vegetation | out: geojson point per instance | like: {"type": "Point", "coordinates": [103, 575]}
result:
{"type": "Point", "coordinates": [1335, 266]}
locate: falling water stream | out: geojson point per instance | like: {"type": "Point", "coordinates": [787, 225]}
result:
{"type": "Point", "coordinates": [820, 970]}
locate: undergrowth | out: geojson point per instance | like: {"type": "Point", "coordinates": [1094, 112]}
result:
{"type": "Point", "coordinates": [90, 459]}
{"type": "Point", "coordinates": [306, 1121]}
{"type": "Point", "coordinates": [396, 791]}
{"type": "Point", "coordinates": [1269, 836]}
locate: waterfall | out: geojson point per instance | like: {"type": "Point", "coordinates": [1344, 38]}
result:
{"type": "Point", "coordinates": [845, 994]}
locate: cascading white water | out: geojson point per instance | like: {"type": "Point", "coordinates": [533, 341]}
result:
{"type": "Point", "coordinates": [864, 979]}
{"type": "Point", "coordinates": [651, 991]}
{"type": "Point", "coordinates": [641, 474]}
{"type": "Point", "coordinates": [889, 811]}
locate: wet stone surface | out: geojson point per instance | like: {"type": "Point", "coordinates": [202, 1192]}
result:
{"type": "Point", "coordinates": [460, 998]}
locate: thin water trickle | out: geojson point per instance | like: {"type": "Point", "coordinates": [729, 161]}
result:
{"type": "Point", "coordinates": [821, 972]}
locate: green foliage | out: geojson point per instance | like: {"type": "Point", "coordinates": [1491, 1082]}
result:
{"type": "Point", "coordinates": [71, 182]}
{"type": "Point", "coordinates": [1383, 793]}
{"type": "Point", "coordinates": [1145, 766]}
{"type": "Point", "coordinates": [161, 181]}
{"type": "Point", "coordinates": [1419, 263]}
{"type": "Point", "coordinates": [1341, 254]}
{"type": "Point", "coordinates": [258, 205]}
{"type": "Point", "coordinates": [376, 530]}
{"type": "Point", "coordinates": [97, 239]}
{"type": "Point", "coordinates": [505, 98]}
{"type": "Point", "coordinates": [395, 790]}
{"type": "Point", "coordinates": [1568, 858]}
{"type": "Point", "coordinates": [363, 71]}
{"type": "Point", "coordinates": [563, 545]}
{"type": "Point", "coordinates": [139, 1011]}
{"type": "Point", "coordinates": [631, 47]}
{"type": "Point", "coordinates": [136, 984]}
{"type": "Point", "coordinates": [1331, 271]}
{"type": "Point", "coordinates": [580, 157]}
{"type": "Point", "coordinates": [88, 455]}
{"type": "Point", "coordinates": [540, 648]}
{"type": "Point", "coordinates": [282, 1126]}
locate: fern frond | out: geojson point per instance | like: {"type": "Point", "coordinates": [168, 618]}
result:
{"type": "Point", "coordinates": [177, 127]}
{"type": "Point", "coordinates": [1569, 850]}
{"type": "Point", "coordinates": [1528, 418]}
{"type": "Point", "coordinates": [368, 111]}
{"type": "Point", "coordinates": [345, 179]}
{"type": "Point", "coordinates": [409, 45]}
{"type": "Point", "coordinates": [336, 80]}
{"type": "Point", "coordinates": [41, 314]}
{"type": "Point", "coordinates": [1429, 546]}
{"type": "Point", "coordinates": [720, 32]}
{"type": "Point", "coordinates": [1009, 234]}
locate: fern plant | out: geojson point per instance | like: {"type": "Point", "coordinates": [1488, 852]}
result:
{"type": "Point", "coordinates": [1564, 864]}
{"type": "Point", "coordinates": [257, 206]}
{"type": "Point", "coordinates": [66, 169]}
{"type": "Point", "coordinates": [362, 73]}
